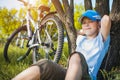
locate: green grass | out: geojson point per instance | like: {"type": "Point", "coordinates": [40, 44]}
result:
{"type": "Point", "coordinates": [9, 70]}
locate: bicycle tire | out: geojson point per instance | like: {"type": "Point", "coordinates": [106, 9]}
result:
{"type": "Point", "coordinates": [60, 34]}
{"type": "Point", "coordinates": [9, 42]}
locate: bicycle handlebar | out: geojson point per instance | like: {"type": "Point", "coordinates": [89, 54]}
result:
{"type": "Point", "coordinates": [25, 3]}
{"type": "Point", "coordinates": [42, 8]}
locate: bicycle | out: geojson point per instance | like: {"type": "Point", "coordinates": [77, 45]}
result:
{"type": "Point", "coordinates": [47, 37]}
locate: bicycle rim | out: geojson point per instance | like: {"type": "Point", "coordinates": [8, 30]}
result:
{"type": "Point", "coordinates": [52, 38]}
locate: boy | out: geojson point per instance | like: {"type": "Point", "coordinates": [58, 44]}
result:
{"type": "Point", "coordinates": [92, 45]}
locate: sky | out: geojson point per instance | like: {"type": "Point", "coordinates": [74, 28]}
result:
{"type": "Point", "coordinates": [16, 4]}
{"type": "Point", "coordinates": [9, 3]}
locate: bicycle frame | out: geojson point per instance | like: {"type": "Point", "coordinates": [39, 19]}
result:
{"type": "Point", "coordinates": [36, 24]}
{"type": "Point", "coordinates": [34, 40]}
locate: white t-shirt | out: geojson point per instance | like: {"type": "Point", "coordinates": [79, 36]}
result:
{"type": "Point", "coordinates": [94, 51]}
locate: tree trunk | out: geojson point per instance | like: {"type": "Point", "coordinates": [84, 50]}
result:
{"type": "Point", "coordinates": [102, 6]}
{"type": "Point", "coordinates": [66, 15]}
{"type": "Point", "coordinates": [88, 4]}
{"type": "Point", "coordinates": [114, 58]}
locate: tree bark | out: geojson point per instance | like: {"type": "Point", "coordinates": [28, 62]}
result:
{"type": "Point", "coordinates": [59, 9]}
{"type": "Point", "coordinates": [88, 4]}
{"type": "Point", "coordinates": [102, 6]}
{"type": "Point", "coordinates": [66, 15]}
{"type": "Point", "coordinates": [114, 58]}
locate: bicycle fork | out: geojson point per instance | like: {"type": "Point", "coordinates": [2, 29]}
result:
{"type": "Point", "coordinates": [20, 42]}
{"type": "Point", "coordinates": [31, 45]}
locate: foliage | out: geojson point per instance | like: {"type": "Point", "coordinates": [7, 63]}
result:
{"type": "Point", "coordinates": [8, 20]}
{"type": "Point", "coordinates": [22, 13]}
{"type": "Point", "coordinates": [114, 74]}
{"type": "Point", "coordinates": [43, 2]}
{"type": "Point", "coordinates": [78, 10]}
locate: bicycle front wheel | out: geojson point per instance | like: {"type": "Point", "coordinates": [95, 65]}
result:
{"type": "Point", "coordinates": [51, 37]}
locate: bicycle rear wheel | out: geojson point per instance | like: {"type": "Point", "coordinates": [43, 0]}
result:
{"type": "Point", "coordinates": [16, 44]}
{"type": "Point", "coordinates": [52, 37]}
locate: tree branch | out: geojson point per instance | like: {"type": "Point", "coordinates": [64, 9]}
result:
{"type": "Point", "coordinates": [59, 9]}
{"type": "Point", "coordinates": [72, 5]}
{"type": "Point", "coordinates": [66, 6]}
{"type": "Point", "coordinates": [88, 4]}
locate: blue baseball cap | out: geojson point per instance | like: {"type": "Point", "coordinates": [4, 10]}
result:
{"type": "Point", "coordinates": [92, 15]}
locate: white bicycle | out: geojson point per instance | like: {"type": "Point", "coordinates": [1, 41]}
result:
{"type": "Point", "coordinates": [45, 40]}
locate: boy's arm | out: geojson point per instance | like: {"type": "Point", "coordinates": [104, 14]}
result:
{"type": "Point", "coordinates": [105, 26]}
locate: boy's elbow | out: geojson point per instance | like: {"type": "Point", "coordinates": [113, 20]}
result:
{"type": "Point", "coordinates": [106, 18]}
{"type": "Point", "coordinates": [106, 21]}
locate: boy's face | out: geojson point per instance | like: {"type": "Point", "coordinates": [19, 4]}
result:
{"type": "Point", "coordinates": [90, 28]}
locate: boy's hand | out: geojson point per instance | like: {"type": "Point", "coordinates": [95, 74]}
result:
{"type": "Point", "coordinates": [80, 32]}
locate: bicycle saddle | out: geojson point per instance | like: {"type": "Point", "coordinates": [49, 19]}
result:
{"type": "Point", "coordinates": [43, 8]}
